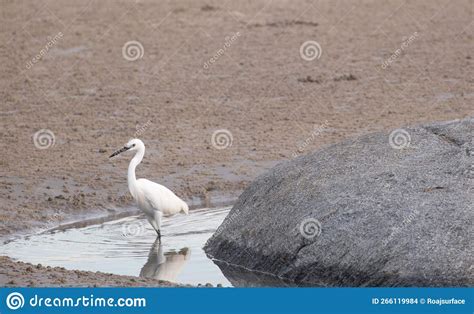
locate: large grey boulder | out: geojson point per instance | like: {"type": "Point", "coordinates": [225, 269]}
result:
{"type": "Point", "coordinates": [385, 209]}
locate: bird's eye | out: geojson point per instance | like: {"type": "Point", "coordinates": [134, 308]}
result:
{"type": "Point", "coordinates": [133, 145]}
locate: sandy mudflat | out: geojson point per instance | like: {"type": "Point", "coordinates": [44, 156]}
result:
{"type": "Point", "coordinates": [13, 274]}
{"type": "Point", "coordinates": [233, 65]}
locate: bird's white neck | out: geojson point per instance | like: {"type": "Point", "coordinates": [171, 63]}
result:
{"type": "Point", "coordinates": [132, 179]}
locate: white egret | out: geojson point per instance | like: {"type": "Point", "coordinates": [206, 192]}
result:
{"type": "Point", "coordinates": [154, 199]}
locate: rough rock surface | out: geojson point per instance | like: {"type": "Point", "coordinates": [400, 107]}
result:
{"type": "Point", "coordinates": [385, 209]}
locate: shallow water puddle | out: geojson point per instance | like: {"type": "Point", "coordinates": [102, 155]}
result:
{"type": "Point", "coordinates": [127, 247]}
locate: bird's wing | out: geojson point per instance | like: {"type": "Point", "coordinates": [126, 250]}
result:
{"type": "Point", "coordinates": [161, 198]}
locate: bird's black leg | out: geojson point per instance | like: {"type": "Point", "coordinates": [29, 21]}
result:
{"type": "Point", "coordinates": [158, 232]}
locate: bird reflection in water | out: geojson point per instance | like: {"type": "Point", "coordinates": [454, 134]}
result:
{"type": "Point", "coordinates": [164, 266]}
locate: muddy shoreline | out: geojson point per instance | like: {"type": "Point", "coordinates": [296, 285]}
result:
{"type": "Point", "coordinates": [373, 74]}
{"type": "Point", "coordinates": [20, 274]}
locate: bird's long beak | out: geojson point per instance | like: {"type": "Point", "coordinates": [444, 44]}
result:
{"type": "Point", "coordinates": [121, 150]}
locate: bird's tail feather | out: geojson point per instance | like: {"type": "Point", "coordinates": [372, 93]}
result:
{"type": "Point", "coordinates": [185, 208]}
